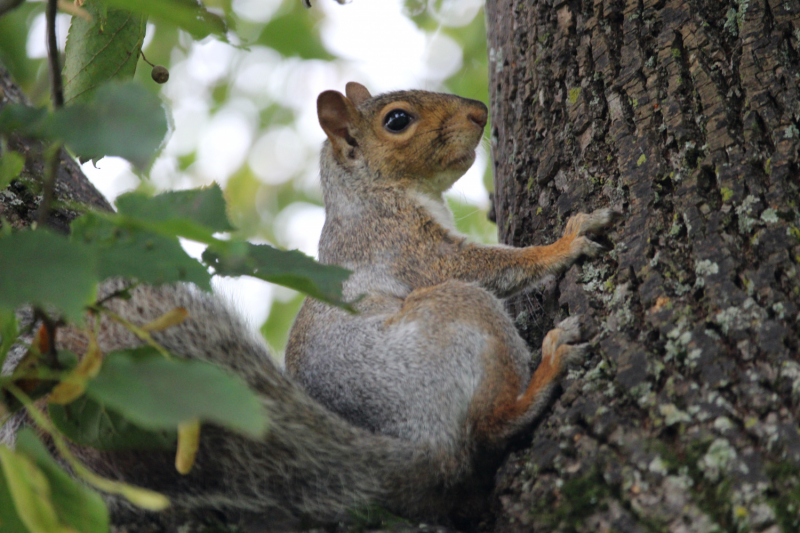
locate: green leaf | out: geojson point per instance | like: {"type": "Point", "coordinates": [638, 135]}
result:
{"type": "Point", "coordinates": [10, 520]}
{"type": "Point", "coordinates": [13, 43]}
{"type": "Point", "coordinates": [76, 505]}
{"type": "Point", "coordinates": [30, 493]}
{"type": "Point", "coordinates": [105, 48]}
{"type": "Point", "coordinates": [293, 34]}
{"type": "Point", "coordinates": [179, 212]}
{"type": "Point", "coordinates": [189, 15]}
{"type": "Point", "coordinates": [8, 333]}
{"type": "Point", "coordinates": [41, 268]}
{"type": "Point", "coordinates": [290, 269]}
{"type": "Point", "coordinates": [131, 252]}
{"type": "Point", "coordinates": [11, 164]}
{"type": "Point", "coordinates": [156, 393]}
{"type": "Point", "coordinates": [33, 122]}
{"type": "Point", "coordinates": [88, 423]}
{"type": "Point", "coordinates": [123, 119]}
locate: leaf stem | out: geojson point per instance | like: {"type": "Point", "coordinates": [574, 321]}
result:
{"type": "Point", "coordinates": [49, 189]}
{"type": "Point", "coordinates": [39, 373]}
{"type": "Point", "coordinates": [133, 328]}
{"type": "Point", "coordinates": [145, 58]}
{"type": "Point", "coordinates": [106, 485]}
{"type": "Point", "coordinates": [115, 294]}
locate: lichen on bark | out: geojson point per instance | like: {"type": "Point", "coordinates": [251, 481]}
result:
{"type": "Point", "coordinates": [682, 114]}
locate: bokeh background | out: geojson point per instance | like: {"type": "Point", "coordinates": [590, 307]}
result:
{"type": "Point", "coordinates": [243, 112]}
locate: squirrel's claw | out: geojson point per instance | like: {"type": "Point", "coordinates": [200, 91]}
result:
{"type": "Point", "coordinates": [594, 223]}
{"type": "Point", "coordinates": [573, 354]}
{"type": "Point", "coordinates": [559, 343]}
{"type": "Point", "coordinates": [570, 330]}
{"type": "Point", "coordinates": [584, 246]}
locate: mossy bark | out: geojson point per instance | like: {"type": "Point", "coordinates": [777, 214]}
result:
{"type": "Point", "coordinates": [685, 116]}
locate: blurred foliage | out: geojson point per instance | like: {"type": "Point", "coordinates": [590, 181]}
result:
{"type": "Point", "coordinates": [289, 37]}
{"type": "Point", "coordinates": [29, 73]}
{"type": "Point", "coordinates": [290, 33]}
{"type": "Point", "coordinates": [122, 120]}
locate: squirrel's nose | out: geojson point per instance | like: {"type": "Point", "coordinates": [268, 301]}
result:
{"type": "Point", "coordinates": [478, 117]}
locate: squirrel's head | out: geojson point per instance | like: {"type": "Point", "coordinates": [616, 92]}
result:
{"type": "Point", "coordinates": [417, 139]}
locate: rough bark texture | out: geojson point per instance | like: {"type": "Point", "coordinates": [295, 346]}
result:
{"type": "Point", "coordinates": [20, 201]}
{"type": "Point", "coordinates": [685, 115]}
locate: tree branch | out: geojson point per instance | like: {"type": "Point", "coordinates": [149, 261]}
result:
{"type": "Point", "coordinates": [57, 94]}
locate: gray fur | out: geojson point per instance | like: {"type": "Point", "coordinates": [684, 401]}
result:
{"type": "Point", "coordinates": [311, 463]}
{"type": "Point", "coordinates": [414, 378]}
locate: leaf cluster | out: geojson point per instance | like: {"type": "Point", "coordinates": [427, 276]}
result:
{"type": "Point", "coordinates": [122, 400]}
{"type": "Point", "coordinates": [137, 399]}
{"type": "Point", "coordinates": [141, 241]}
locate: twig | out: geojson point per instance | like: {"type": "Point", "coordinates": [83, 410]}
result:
{"type": "Point", "coordinates": [49, 187]}
{"type": "Point", "coordinates": [52, 55]}
{"type": "Point", "coordinates": [145, 58]}
{"type": "Point", "coordinates": [57, 95]}
{"type": "Point", "coordinates": [114, 294]}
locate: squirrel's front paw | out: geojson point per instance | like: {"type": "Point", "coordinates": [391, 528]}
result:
{"type": "Point", "coordinates": [595, 223]}
{"type": "Point", "coordinates": [559, 346]}
{"type": "Point", "coordinates": [582, 224]}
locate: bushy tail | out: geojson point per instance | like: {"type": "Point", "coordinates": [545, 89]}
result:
{"type": "Point", "coordinates": [311, 465]}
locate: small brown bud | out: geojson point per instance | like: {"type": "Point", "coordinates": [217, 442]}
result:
{"type": "Point", "coordinates": [160, 74]}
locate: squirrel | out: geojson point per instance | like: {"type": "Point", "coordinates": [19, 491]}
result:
{"type": "Point", "coordinates": [393, 405]}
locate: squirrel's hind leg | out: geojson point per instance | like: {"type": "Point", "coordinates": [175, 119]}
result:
{"type": "Point", "coordinates": [559, 351]}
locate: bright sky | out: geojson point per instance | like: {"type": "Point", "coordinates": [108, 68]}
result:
{"type": "Point", "coordinates": [224, 140]}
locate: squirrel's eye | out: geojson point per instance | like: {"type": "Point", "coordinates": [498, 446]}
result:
{"type": "Point", "coordinates": [396, 120]}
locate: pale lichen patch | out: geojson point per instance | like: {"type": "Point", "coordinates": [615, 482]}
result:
{"type": "Point", "coordinates": [770, 216]}
{"type": "Point", "coordinates": [672, 415]}
{"type": "Point", "coordinates": [717, 459]}
{"type": "Point", "coordinates": [745, 316]}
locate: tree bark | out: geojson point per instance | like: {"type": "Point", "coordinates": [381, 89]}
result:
{"type": "Point", "coordinates": [684, 115]}
{"type": "Point", "coordinates": [20, 201]}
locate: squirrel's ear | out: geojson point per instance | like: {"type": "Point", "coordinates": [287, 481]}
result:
{"type": "Point", "coordinates": [356, 92]}
{"type": "Point", "coordinates": [336, 114]}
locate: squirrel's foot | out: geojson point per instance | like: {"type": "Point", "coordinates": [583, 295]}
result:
{"type": "Point", "coordinates": [582, 224]}
{"type": "Point", "coordinates": [562, 345]}
{"type": "Point", "coordinates": [595, 223]}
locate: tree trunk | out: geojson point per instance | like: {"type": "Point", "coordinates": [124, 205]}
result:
{"type": "Point", "coordinates": [684, 115]}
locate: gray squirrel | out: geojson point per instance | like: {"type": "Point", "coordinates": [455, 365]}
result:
{"type": "Point", "coordinates": [395, 405]}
